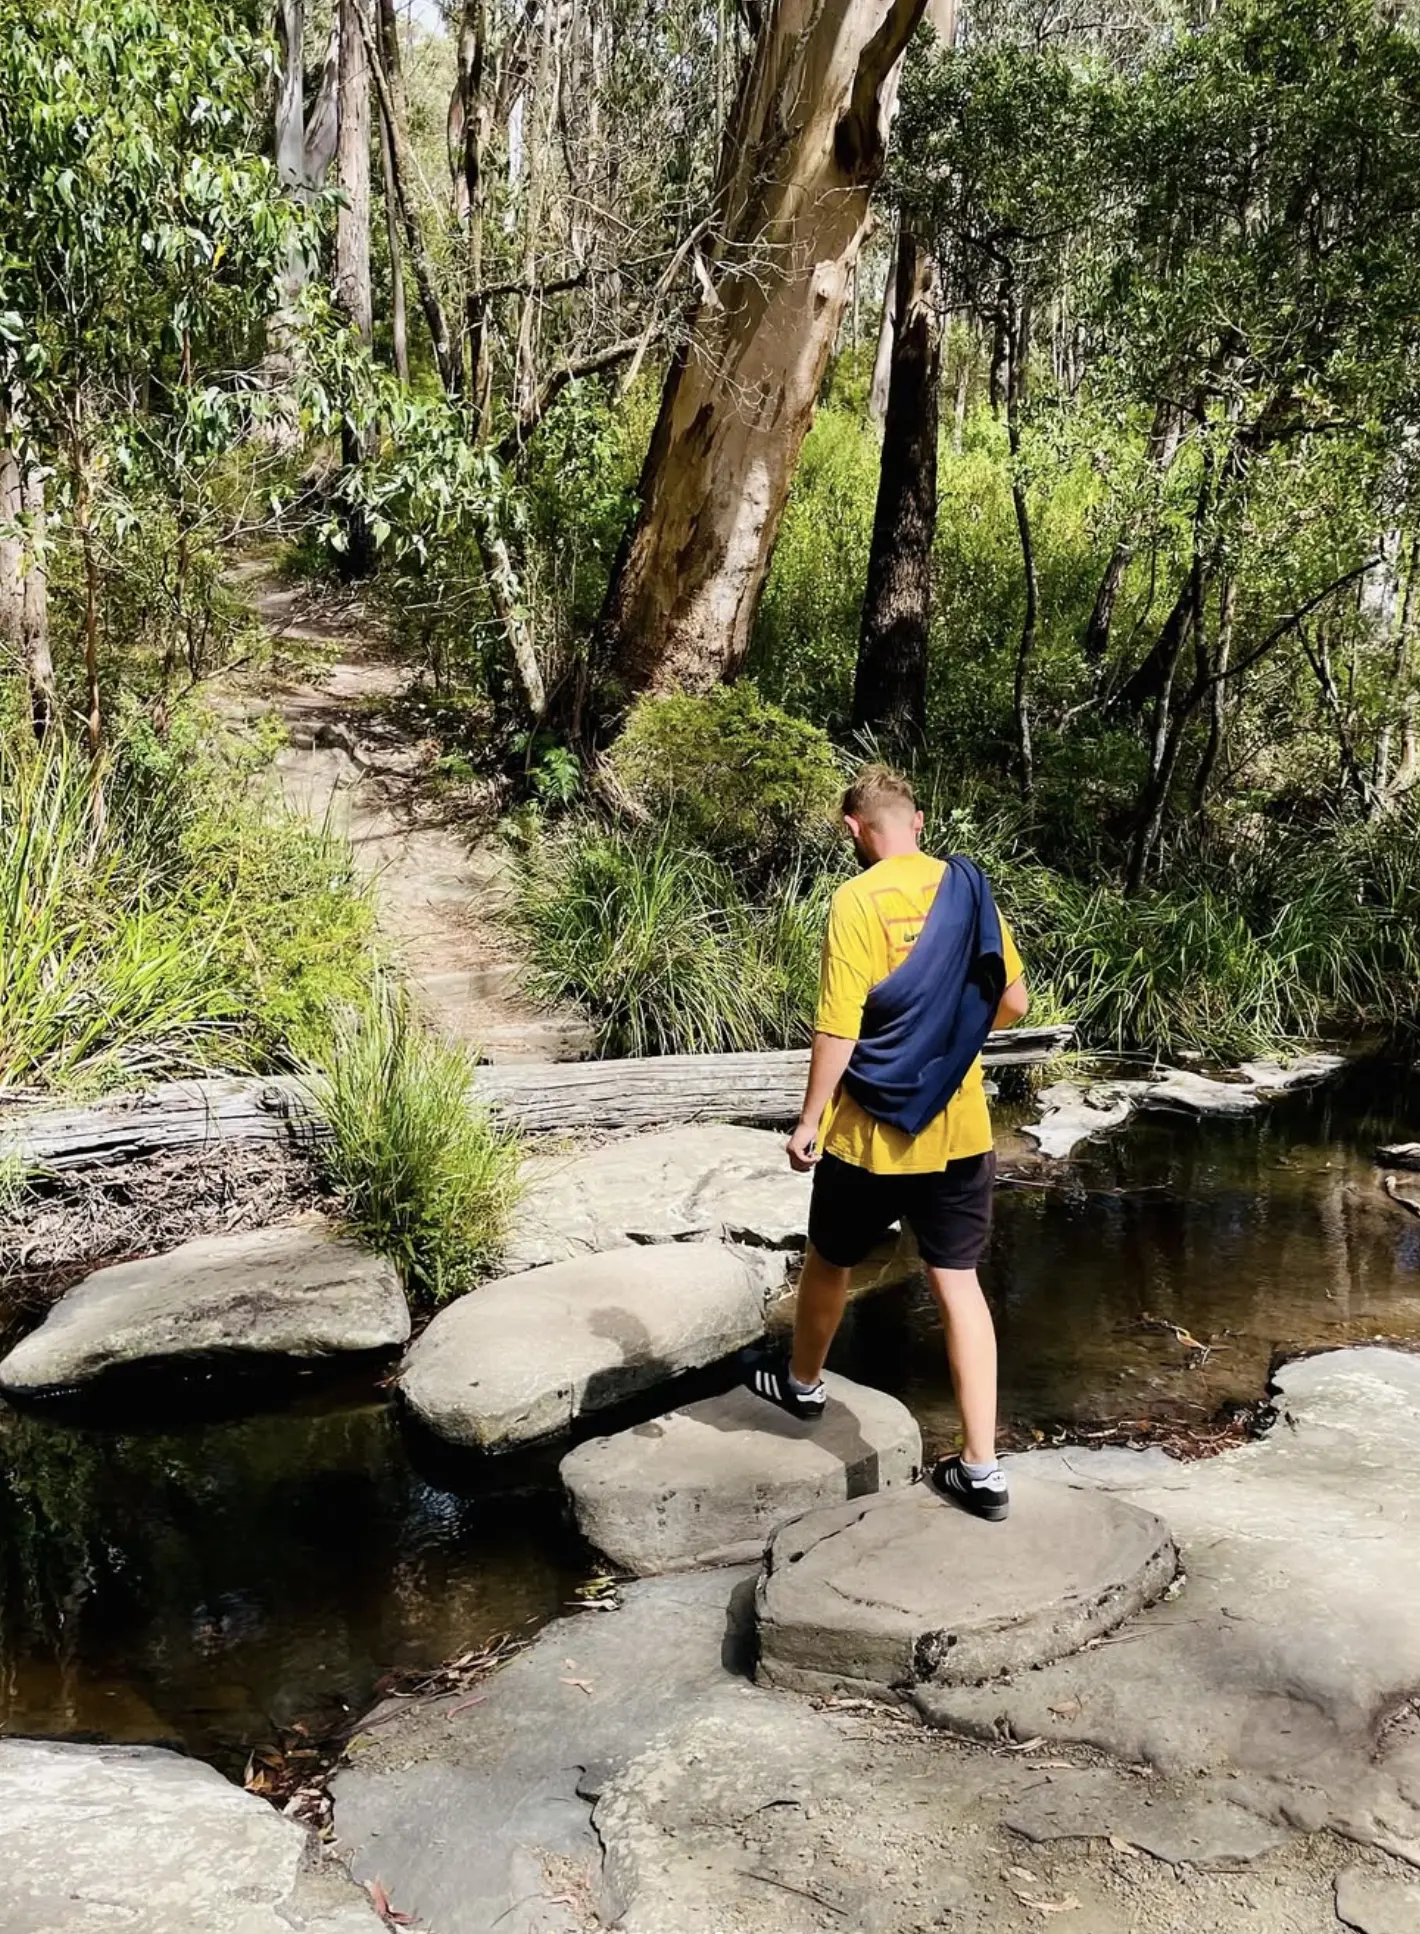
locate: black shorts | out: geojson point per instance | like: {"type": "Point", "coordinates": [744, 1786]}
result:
{"type": "Point", "coordinates": [948, 1210]}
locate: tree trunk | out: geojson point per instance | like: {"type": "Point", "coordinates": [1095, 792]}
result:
{"type": "Point", "coordinates": [24, 592]}
{"type": "Point", "coordinates": [1217, 693]}
{"type": "Point", "coordinates": [804, 145]}
{"type": "Point", "coordinates": [389, 86]}
{"type": "Point", "coordinates": [890, 690]}
{"type": "Point", "coordinates": [305, 146]}
{"type": "Point", "coordinates": [352, 245]}
{"type": "Point", "coordinates": [399, 309]}
{"type": "Point", "coordinates": [881, 385]}
{"type": "Point", "coordinates": [1017, 365]}
{"type": "Point", "coordinates": [473, 59]}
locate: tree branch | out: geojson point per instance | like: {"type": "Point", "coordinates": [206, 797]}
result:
{"type": "Point", "coordinates": [1290, 623]}
{"type": "Point", "coordinates": [511, 446]}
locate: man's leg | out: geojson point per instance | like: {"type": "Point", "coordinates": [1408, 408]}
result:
{"type": "Point", "coordinates": [971, 1351]}
{"type": "Point", "coordinates": [818, 1311]}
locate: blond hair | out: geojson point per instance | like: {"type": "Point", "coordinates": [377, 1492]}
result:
{"type": "Point", "coordinates": [878, 793]}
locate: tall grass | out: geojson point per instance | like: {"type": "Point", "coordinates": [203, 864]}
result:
{"type": "Point", "coordinates": [662, 950]}
{"type": "Point", "coordinates": [424, 1176]}
{"type": "Point", "coordinates": [1312, 933]}
{"type": "Point", "coordinates": [156, 922]}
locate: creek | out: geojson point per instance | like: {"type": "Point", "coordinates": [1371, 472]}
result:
{"type": "Point", "coordinates": [208, 1567]}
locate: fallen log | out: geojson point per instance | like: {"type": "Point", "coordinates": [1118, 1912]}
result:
{"type": "Point", "coordinates": [1399, 1155]}
{"type": "Point", "coordinates": [564, 1097]}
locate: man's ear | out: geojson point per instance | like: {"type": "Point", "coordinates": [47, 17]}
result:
{"type": "Point", "coordinates": [855, 827]}
{"type": "Point", "coordinates": [918, 822]}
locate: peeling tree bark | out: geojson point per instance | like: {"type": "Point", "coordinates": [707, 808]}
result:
{"type": "Point", "coordinates": [805, 143]}
{"type": "Point", "coordinates": [890, 689]}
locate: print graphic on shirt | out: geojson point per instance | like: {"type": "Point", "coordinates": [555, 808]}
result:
{"type": "Point", "coordinates": [902, 922]}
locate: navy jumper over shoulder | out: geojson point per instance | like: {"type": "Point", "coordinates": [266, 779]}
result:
{"type": "Point", "coordinates": [926, 1023]}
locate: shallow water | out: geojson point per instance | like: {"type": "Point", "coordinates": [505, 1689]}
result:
{"type": "Point", "coordinates": [1256, 1236]}
{"type": "Point", "coordinates": [207, 1583]}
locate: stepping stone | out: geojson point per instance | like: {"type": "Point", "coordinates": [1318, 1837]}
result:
{"type": "Point", "coordinates": [711, 1180]}
{"type": "Point", "coordinates": [905, 1589]}
{"type": "Point", "coordinates": [1196, 1828]}
{"type": "Point", "coordinates": [523, 1357]}
{"type": "Point", "coordinates": [709, 1483]}
{"type": "Point", "coordinates": [297, 1290]}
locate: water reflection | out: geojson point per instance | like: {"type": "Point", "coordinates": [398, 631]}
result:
{"type": "Point", "coordinates": [1260, 1236]}
{"type": "Point", "coordinates": [207, 1585]}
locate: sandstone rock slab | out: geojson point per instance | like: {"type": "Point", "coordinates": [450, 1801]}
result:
{"type": "Point", "coordinates": [1199, 1828]}
{"type": "Point", "coordinates": [99, 1838]}
{"type": "Point", "coordinates": [904, 1589]}
{"type": "Point", "coordinates": [465, 1810]}
{"type": "Point", "coordinates": [708, 1484]}
{"type": "Point", "coordinates": [298, 1290]}
{"type": "Point", "coordinates": [706, 1181]}
{"type": "Point", "coordinates": [1375, 1903]}
{"type": "Point", "coordinates": [521, 1358]}
{"type": "Point", "coordinates": [1292, 1653]}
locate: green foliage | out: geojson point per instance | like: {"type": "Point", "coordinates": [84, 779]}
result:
{"type": "Point", "coordinates": [197, 932]}
{"type": "Point", "coordinates": [665, 953]}
{"type": "Point", "coordinates": [737, 776]}
{"type": "Point", "coordinates": [423, 1175]}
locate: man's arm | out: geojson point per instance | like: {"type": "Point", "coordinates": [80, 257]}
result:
{"type": "Point", "coordinates": [827, 1064]}
{"type": "Point", "coordinates": [1015, 1004]}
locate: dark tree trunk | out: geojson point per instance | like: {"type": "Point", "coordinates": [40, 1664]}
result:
{"type": "Point", "coordinates": [890, 690]}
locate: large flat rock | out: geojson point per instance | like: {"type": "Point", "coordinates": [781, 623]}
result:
{"type": "Point", "coordinates": [709, 1180]}
{"type": "Point", "coordinates": [94, 1839]}
{"type": "Point", "coordinates": [1292, 1653]}
{"type": "Point", "coordinates": [523, 1357]}
{"type": "Point", "coordinates": [905, 1589]}
{"type": "Point", "coordinates": [477, 1814]}
{"type": "Point", "coordinates": [708, 1484]}
{"type": "Point", "coordinates": [298, 1290]}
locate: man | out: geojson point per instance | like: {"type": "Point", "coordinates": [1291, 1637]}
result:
{"type": "Point", "coordinates": [894, 1122]}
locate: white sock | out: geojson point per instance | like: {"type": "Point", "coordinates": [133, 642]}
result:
{"type": "Point", "coordinates": [981, 1473]}
{"type": "Point", "coordinates": [804, 1389]}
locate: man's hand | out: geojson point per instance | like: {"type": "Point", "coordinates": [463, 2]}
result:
{"type": "Point", "coordinates": [802, 1147]}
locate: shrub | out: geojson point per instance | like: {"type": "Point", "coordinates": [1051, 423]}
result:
{"type": "Point", "coordinates": [735, 775]}
{"type": "Point", "coordinates": [424, 1176]}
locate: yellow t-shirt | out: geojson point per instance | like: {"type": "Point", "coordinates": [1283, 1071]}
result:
{"type": "Point", "coordinates": [872, 926]}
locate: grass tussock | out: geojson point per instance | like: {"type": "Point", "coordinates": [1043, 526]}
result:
{"type": "Point", "coordinates": [156, 920]}
{"type": "Point", "coordinates": [424, 1175]}
{"type": "Point", "coordinates": [662, 949]}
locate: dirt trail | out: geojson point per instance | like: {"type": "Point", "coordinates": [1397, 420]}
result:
{"type": "Point", "coordinates": [441, 886]}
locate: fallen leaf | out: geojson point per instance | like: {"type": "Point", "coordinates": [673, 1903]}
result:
{"type": "Point", "coordinates": [1051, 1765]}
{"type": "Point", "coordinates": [1032, 1745]}
{"type": "Point", "coordinates": [582, 1685]}
{"type": "Point", "coordinates": [1068, 1709]}
{"type": "Point", "coordinates": [1067, 1904]}
{"type": "Point", "coordinates": [380, 1901]}
{"type": "Point", "coordinates": [1126, 1847]}
{"type": "Point", "coordinates": [464, 1704]}
{"type": "Point", "coordinates": [1023, 1873]}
